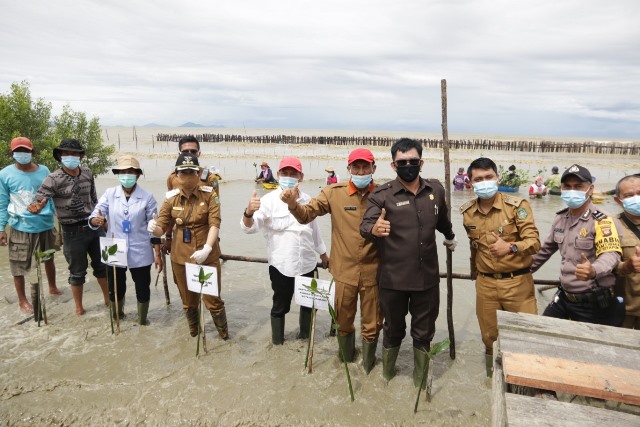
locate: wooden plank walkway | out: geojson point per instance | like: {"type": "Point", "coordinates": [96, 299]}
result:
{"type": "Point", "coordinates": [572, 357]}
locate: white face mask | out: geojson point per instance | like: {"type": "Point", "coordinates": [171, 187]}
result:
{"type": "Point", "coordinates": [485, 189]}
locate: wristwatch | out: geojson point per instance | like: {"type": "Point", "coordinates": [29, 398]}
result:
{"type": "Point", "coordinates": [514, 248]}
{"type": "Point", "coordinates": [246, 215]}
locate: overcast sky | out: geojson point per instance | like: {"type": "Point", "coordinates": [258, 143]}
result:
{"type": "Point", "coordinates": [556, 68]}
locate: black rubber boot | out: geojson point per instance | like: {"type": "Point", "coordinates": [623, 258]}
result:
{"type": "Point", "coordinates": [143, 309]}
{"type": "Point", "coordinates": [389, 356]}
{"type": "Point", "coordinates": [277, 330]}
{"type": "Point", "coordinates": [420, 367]}
{"type": "Point", "coordinates": [193, 321]}
{"type": "Point", "coordinates": [488, 364]}
{"type": "Point", "coordinates": [305, 323]}
{"type": "Point", "coordinates": [368, 354]}
{"type": "Point", "coordinates": [348, 343]}
{"type": "Point", "coordinates": [220, 320]}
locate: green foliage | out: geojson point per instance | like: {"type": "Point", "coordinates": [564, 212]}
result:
{"type": "Point", "coordinates": [521, 177]}
{"type": "Point", "coordinates": [203, 277]}
{"type": "Point", "coordinates": [20, 115]}
{"type": "Point", "coordinates": [44, 256]}
{"type": "Point", "coordinates": [109, 250]}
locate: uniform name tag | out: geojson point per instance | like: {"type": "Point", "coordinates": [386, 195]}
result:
{"type": "Point", "coordinates": [206, 188]}
{"type": "Point", "coordinates": [178, 208]}
{"type": "Point", "coordinates": [350, 208]}
{"type": "Point", "coordinates": [406, 202]}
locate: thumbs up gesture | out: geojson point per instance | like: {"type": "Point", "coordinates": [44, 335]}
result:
{"type": "Point", "coordinates": [584, 270]}
{"type": "Point", "coordinates": [98, 220]}
{"type": "Point", "coordinates": [290, 196]}
{"type": "Point", "coordinates": [500, 247]}
{"type": "Point", "coordinates": [382, 227]}
{"type": "Point", "coordinates": [152, 226]}
{"type": "Point", "coordinates": [254, 204]}
{"type": "Point", "coordinates": [36, 207]}
{"type": "Point", "coordinates": [632, 265]}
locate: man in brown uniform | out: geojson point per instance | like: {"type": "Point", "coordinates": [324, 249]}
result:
{"type": "Point", "coordinates": [628, 270]}
{"type": "Point", "coordinates": [503, 238]}
{"type": "Point", "coordinates": [195, 212]}
{"type": "Point", "coordinates": [353, 261]}
{"type": "Point", "coordinates": [402, 217]}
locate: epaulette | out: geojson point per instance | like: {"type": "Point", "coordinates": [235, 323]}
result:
{"type": "Point", "coordinates": [513, 201]}
{"type": "Point", "coordinates": [598, 216]}
{"type": "Point", "coordinates": [171, 193]}
{"type": "Point", "coordinates": [467, 205]}
{"type": "Point", "coordinates": [206, 188]}
{"type": "Point", "coordinates": [382, 187]}
{"type": "Point", "coordinates": [434, 181]}
{"type": "Point", "coordinates": [561, 211]}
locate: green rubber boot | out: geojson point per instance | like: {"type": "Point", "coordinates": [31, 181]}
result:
{"type": "Point", "coordinates": [277, 330]}
{"type": "Point", "coordinates": [420, 367]}
{"type": "Point", "coordinates": [488, 364]}
{"type": "Point", "coordinates": [368, 354]}
{"type": "Point", "coordinates": [143, 309]}
{"type": "Point", "coordinates": [220, 320]}
{"type": "Point", "coordinates": [305, 323]}
{"type": "Point", "coordinates": [121, 314]}
{"type": "Point", "coordinates": [389, 356]}
{"type": "Point", "coordinates": [348, 343]}
{"type": "Point", "coordinates": [193, 321]}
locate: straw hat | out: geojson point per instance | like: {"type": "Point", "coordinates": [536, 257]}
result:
{"type": "Point", "coordinates": [329, 170]}
{"type": "Point", "coordinates": [264, 164]}
{"type": "Point", "coordinates": [125, 162]}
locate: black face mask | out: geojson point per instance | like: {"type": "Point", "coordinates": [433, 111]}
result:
{"type": "Point", "coordinates": [408, 173]}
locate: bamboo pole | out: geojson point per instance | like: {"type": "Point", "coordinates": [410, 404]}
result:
{"type": "Point", "coordinates": [447, 189]}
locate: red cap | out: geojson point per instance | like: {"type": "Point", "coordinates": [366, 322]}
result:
{"type": "Point", "coordinates": [21, 141]}
{"type": "Point", "coordinates": [290, 162]}
{"type": "Point", "coordinates": [361, 154]}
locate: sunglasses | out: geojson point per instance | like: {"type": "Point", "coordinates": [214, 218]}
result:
{"type": "Point", "coordinates": [189, 152]}
{"type": "Point", "coordinates": [403, 163]}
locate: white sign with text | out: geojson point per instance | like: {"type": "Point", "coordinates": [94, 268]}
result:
{"type": "Point", "coordinates": [210, 286]}
{"type": "Point", "coordinates": [113, 252]}
{"type": "Point", "coordinates": [306, 298]}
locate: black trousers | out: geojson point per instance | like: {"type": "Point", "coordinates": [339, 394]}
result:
{"type": "Point", "coordinates": [562, 308]}
{"type": "Point", "coordinates": [424, 307]}
{"type": "Point", "coordinates": [283, 288]}
{"type": "Point", "coordinates": [141, 278]}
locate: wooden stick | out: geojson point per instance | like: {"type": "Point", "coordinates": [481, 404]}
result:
{"type": "Point", "coordinates": [165, 282]}
{"type": "Point", "coordinates": [311, 338]}
{"type": "Point", "coordinates": [115, 293]}
{"type": "Point", "coordinates": [447, 188]}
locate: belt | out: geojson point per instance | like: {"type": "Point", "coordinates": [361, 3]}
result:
{"type": "Point", "coordinates": [76, 225]}
{"type": "Point", "coordinates": [582, 297]}
{"type": "Point", "coordinates": [506, 275]}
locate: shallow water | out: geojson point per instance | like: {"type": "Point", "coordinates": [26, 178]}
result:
{"type": "Point", "coordinates": [74, 371]}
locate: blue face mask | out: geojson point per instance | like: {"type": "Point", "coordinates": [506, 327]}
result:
{"type": "Point", "coordinates": [127, 180]}
{"type": "Point", "coordinates": [361, 181]}
{"type": "Point", "coordinates": [632, 205]}
{"type": "Point", "coordinates": [287, 183]}
{"type": "Point", "coordinates": [485, 189]}
{"type": "Point", "coordinates": [22, 158]}
{"type": "Point", "coordinates": [70, 162]}
{"type": "Point", "coordinates": [573, 198]}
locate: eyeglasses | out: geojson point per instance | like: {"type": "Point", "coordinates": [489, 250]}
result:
{"type": "Point", "coordinates": [403, 163]}
{"type": "Point", "coordinates": [189, 152]}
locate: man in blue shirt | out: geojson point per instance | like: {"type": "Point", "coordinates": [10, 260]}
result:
{"type": "Point", "coordinates": [19, 183]}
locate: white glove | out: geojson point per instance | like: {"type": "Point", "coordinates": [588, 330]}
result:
{"type": "Point", "coordinates": [202, 254]}
{"type": "Point", "coordinates": [151, 227]}
{"type": "Point", "coordinates": [450, 244]}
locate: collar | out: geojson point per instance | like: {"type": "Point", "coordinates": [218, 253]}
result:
{"type": "Point", "coordinates": [397, 186]}
{"type": "Point", "coordinates": [497, 202]}
{"type": "Point", "coordinates": [353, 189]}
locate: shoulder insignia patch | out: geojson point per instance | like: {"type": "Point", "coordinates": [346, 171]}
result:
{"type": "Point", "coordinates": [206, 188]}
{"type": "Point", "coordinates": [522, 213]}
{"type": "Point", "coordinates": [598, 215]}
{"type": "Point", "coordinates": [171, 193]}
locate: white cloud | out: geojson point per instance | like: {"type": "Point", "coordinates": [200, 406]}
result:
{"type": "Point", "coordinates": [528, 67]}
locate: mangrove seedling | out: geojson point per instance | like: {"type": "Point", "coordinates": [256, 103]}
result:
{"type": "Point", "coordinates": [106, 252]}
{"type": "Point", "coordinates": [40, 311]}
{"type": "Point", "coordinates": [438, 347]}
{"type": "Point", "coordinates": [202, 278]}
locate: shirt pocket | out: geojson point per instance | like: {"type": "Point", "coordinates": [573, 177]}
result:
{"type": "Point", "coordinates": [558, 238]}
{"type": "Point", "coordinates": [584, 244]}
{"type": "Point", "coordinates": [509, 232]}
{"type": "Point", "coordinates": [280, 222]}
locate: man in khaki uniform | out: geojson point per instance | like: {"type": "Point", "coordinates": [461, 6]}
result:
{"type": "Point", "coordinates": [503, 238]}
{"type": "Point", "coordinates": [353, 262]}
{"type": "Point", "coordinates": [195, 212]}
{"type": "Point", "coordinates": [628, 270]}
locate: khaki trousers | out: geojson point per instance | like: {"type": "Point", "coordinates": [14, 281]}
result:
{"type": "Point", "coordinates": [347, 306]}
{"type": "Point", "coordinates": [190, 299]}
{"type": "Point", "coordinates": [516, 295]}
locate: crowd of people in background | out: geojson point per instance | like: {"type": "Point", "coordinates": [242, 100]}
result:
{"type": "Point", "coordinates": [383, 240]}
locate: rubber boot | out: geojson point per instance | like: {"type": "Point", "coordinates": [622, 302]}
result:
{"type": "Point", "coordinates": [348, 343]}
{"type": "Point", "coordinates": [220, 320]}
{"type": "Point", "coordinates": [193, 321]}
{"type": "Point", "coordinates": [368, 354]}
{"type": "Point", "coordinates": [420, 367]}
{"type": "Point", "coordinates": [305, 323]}
{"type": "Point", "coordinates": [389, 356]}
{"type": "Point", "coordinates": [488, 364]}
{"type": "Point", "coordinates": [332, 330]}
{"type": "Point", "coordinates": [143, 309]}
{"type": "Point", "coordinates": [277, 330]}
{"type": "Point", "coordinates": [121, 314]}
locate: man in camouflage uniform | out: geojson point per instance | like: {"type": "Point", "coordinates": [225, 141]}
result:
{"type": "Point", "coordinates": [503, 238]}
